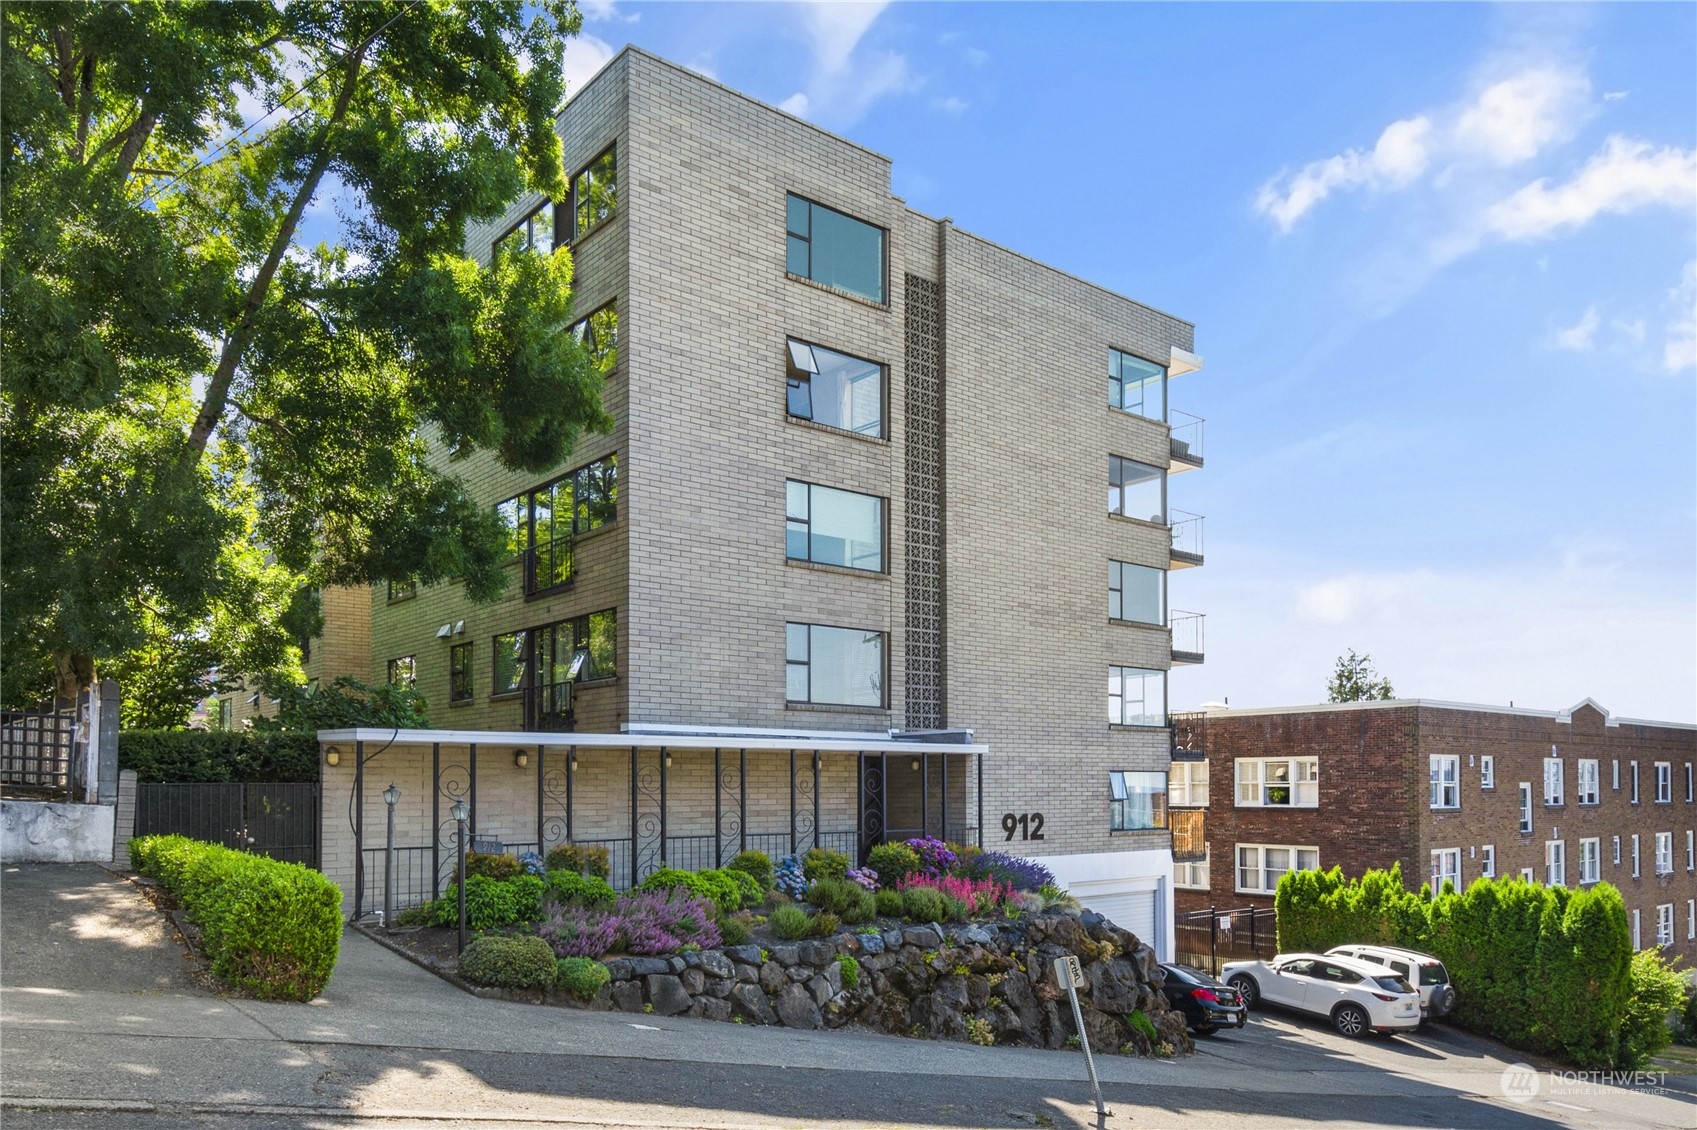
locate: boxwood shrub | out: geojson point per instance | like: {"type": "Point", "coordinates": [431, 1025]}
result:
{"type": "Point", "coordinates": [582, 977]}
{"type": "Point", "coordinates": [717, 887]}
{"type": "Point", "coordinates": [584, 859]}
{"type": "Point", "coordinates": [272, 929]}
{"type": "Point", "coordinates": [572, 889]}
{"type": "Point", "coordinates": [756, 864]}
{"type": "Point", "coordinates": [490, 904]}
{"type": "Point", "coordinates": [509, 961]}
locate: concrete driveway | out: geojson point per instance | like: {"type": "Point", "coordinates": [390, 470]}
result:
{"type": "Point", "coordinates": [388, 1041]}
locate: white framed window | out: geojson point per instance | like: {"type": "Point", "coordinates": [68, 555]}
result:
{"type": "Point", "coordinates": [1526, 874]}
{"type": "Point", "coordinates": [1588, 788]}
{"type": "Point", "coordinates": [1634, 797]}
{"type": "Point", "coordinates": [1281, 782]}
{"type": "Point", "coordinates": [1555, 863]}
{"type": "Point", "coordinates": [1690, 919]}
{"type": "Point", "coordinates": [1444, 776]}
{"type": "Point", "coordinates": [1187, 784]}
{"type": "Point", "coordinates": [1261, 866]}
{"type": "Point", "coordinates": [1446, 865]}
{"type": "Point", "coordinates": [1617, 851]}
{"type": "Point", "coordinates": [1664, 853]}
{"type": "Point", "coordinates": [1487, 772]}
{"type": "Point", "coordinates": [1552, 782]}
{"type": "Point", "coordinates": [1614, 775]}
{"type": "Point", "coordinates": [1637, 938]}
{"type": "Point", "coordinates": [1690, 850]}
{"type": "Point", "coordinates": [1488, 864]}
{"type": "Point", "coordinates": [1526, 808]}
{"type": "Point", "coordinates": [1590, 859]}
{"type": "Point", "coordinates": [1635, 855]}
{"type": "Point", "coordinates": [1664, 925]}
{"type": "Point", "coordinates": [1193, 875]}
{"type": "Point", "coordinates": [1664, 782]}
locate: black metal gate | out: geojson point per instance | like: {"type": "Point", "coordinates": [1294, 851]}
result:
{"type": "Point", "coordinates": [276, 820]}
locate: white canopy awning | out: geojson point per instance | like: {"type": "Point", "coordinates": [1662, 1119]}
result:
{"type": "Point", "coordinates": [673, 738]}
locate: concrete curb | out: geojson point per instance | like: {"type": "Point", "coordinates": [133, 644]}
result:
{"type": "Point", "coordinates": [349, 1114]}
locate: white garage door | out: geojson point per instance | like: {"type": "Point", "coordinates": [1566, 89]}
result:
{"type": "Point", "coordinates": [1130, 910]}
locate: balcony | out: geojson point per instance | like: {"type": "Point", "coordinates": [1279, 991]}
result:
{"type": "Point", "coordinates": [1187, 636]}
{"type": "Point", "coordinates": [548, 566]}
{"type": "Point", "coordinates": [1187, 538]}
{"type": "Point", "coordinates": [1189, 827]}
{"type": "Point", "coordinates": [1190, 735]}
{"type": "Point", "coordinates": [1185, 442]}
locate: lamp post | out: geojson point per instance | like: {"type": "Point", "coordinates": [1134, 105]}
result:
{"type": "Point", "coordinates": [461, 813]}
{"type": "Point", "coordinates": [391, 796]}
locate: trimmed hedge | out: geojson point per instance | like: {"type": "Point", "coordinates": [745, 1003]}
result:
{"type": "Point", "coordinates": [723, 888]}
{"type": "Point", "coordinates": [218, 755]}
{"type": "Point", "coordinates": [573, 889]}
{"type": "Point", "coordinates": [1499, 939]}
{"type": "Point", "coordinates": [582, 977]}
{"type": "Point", "coordinates": [525, 962]}
{"type": "Point", "coordinates": [273, 929]}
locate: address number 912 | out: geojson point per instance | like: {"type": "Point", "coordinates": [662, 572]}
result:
{"type": "Point", "coordinates": [1029, 825]}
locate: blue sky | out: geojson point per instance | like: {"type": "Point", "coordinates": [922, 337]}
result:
{"type": "Point", "coordinates": [1442, 261]}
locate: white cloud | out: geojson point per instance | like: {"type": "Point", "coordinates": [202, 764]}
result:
{"type": "Point", "coordinates": [585, 55]}
{"type": "Point", "coordinates": [1614, 95]}
{"type": "Point", "coordinates": [1343, 600]}
{"type": "Point", "coordinates": [836, 29]}
{"type": "Point", "coordinates": [1400, 155]}
{"type": "Point", "coordinates": [1680, 351]}
{"type": "Point", "coordinates": [977, 57]}
{"type": "Point", "coordinates": [795, 104]}
{"type": "Point", "coordinates": [1635, 329]}
{"type": "Point", "coordinates": [845, 81]}
{"type": "Point", "coordinates": [1581, 337]}
{"type": "Point", "coordinates": [605, 11]}
{"type": "Point", "coordinates": [951, 105]}
{"type": "Point", "coordinates": [1626, 175]}
{"type": "Point", "coordinates": [1513, 120]}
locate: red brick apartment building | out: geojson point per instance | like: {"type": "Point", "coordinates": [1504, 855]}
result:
{"type": "Point", "coordinates": [1450, 791]}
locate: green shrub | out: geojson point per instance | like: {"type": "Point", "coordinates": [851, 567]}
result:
{"type": "Point", "coordinates": [823, 863]}
{"type": "Point", "coordinates": [218, 755]}
{"type": "Point", "coordinates": [272, 929]}
{"type": "Point", "coordinates": [584, 859]}
{"type": "Point", "coordinates": [756, 864]}
{"type": "Point", "coordinates": [569, 888]}
{"type": "Point", "coordinates": [491, 904]}
{"type": "Point", "coordinates": [851, 970]}
{"type": "Point", "coordinates": [413, 916]}
{"type": "Point", "coordinates": [925, 904]}
{"type": "Point", "coordinates": [491, 865]}
{"type": "Point", "coordinates": [893, 862]}
{"type": "Point", "coordinates": [582, 977]}
{"type": "Point", "coordinates": [717, 887]}
{"type": "Point", "coordinates": [888, 902]}
{"type": "Point", "coordinates": [510, 962]}
{"type": "Point", "coordinates": [753, 894]}
{"type": "Point", "coordinates": [1656, 993]}
{"type": "Point", "coordinates": [790, 922]}
{"type": "Point", "coordinates": [1143, 1024]}
{"type": "Point", "coordinates": [734, 929]}
{"type": "Point", "coordinates": [823, 924]}
{"type": "Point", "coordinates": [849, 901]}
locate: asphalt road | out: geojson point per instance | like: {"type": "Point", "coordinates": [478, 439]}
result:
{"type": "Point", "coordinates": [391, 1045]}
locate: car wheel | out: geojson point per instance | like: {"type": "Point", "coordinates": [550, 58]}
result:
{"type": "Point", "coordinates": [1246, 989]}
{"type": "Point", "coordinates": [1443, 1002]}
{"type": "Point", "coordinates": [1350, 1020]}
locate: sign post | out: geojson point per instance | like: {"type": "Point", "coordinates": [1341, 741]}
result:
{"type": "Point", "coordinates": [1070, 976]}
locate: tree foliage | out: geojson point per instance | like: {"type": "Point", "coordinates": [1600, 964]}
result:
{"type": "Point", "coordinates": [200, 415]}
{"type": "Point", "coordinates": [1355, 680]}
{"type": "Point", "coordinates": [345, 704]}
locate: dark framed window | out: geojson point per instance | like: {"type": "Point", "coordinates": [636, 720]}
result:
{"type": "Point", "coordinates": [578, 650]}
{"type": "Point", "coordinates": [403, 672]}
{"type": "Point", "coordinates": [511, 663]}
{"type": "Point", "coordinates": [835, 389]}
{"type": "Point", "coordinates": [402, 590]}
{"type": "Point", "coordinates": [533, 233]}
{"type": "Point", "coordinates": [1136, 385]}
{"type": "Point", "coordinates": [599, 334]}
{"type": "Point", "coordinates": [1137, 490]}
{"type": "Point", "coordinates": [830, 247]}
{"type": "Point", "coordinates": [595, 192]}
{"type": "Point", "coordinates": [833, 527]}
{"type": "Point", "coordinates": [226, 713]}
{"type": "Point", "coordinates": [1136, 801]}
{"type": "Point", "coordinates": [1137, 593]}
{"type": "Point", "coordinates": [542, 524]}
{"type": "Point", "coordinates": [459, 673]}
{"type": "Point", "coordinates": [835, 666]}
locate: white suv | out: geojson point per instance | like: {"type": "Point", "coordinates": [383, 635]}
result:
{"type": "Point", "coordinates": [1356, 996]}
{"type": "Point", "coordinates": [1422, 970]}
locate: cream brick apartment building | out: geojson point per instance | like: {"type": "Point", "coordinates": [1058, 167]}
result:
{"type": "Point", "coordinates": [843, 569]}
{"type": "Point", "coordinates": [1450, 791]}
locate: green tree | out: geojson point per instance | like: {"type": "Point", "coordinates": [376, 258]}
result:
{"type": "Point", "coordinates": [1355, 680]}
{"type": "Point", "coordinates": [201, 416]}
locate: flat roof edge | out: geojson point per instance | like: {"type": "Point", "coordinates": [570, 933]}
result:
{"type": "Point", "coordinates": [872, 743]}
{"type": "Point", "coordinates": [1428, 704]}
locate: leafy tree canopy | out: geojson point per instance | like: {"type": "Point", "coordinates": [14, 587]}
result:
{"type": "Point", "coordinates": [200, 416]}
{"type": "Point", "coordinates": [345, 704]}
{"type": "Point", "coordinates": [1355, 680]}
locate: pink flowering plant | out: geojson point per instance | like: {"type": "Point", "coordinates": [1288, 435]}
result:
{"type": "Point", "coordinates": [982, 897]}
{"type": "Point", "coordinates": [864, 876]}
{"type": "Point", "coordinates": [640, 922]}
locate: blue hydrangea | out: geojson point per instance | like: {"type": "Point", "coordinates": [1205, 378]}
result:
{"type": "Point", "coordinates": [790, 879]}
{"type": "Point", "coordinates": [532, 864]}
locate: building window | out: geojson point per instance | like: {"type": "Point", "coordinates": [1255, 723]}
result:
{"type": "Point", "coordinates": [1136, 801]}
{"type": "Point", "coordinates": [1552, 782]}
{"type": "Point", "coordinates": [839, 666]}
{"type": "Point", "coordinates": [533, 233]}
{"type": "Point", "coordinates": [1488, 866]}
{"type": "Point", "coordinates": [1664, 782]}
{"type": "Point", "coordinates": [512, 659]}
{"type": "Point", "coordinates": [1688, 783]}
{"type": "Point", "coordinates": [1187, 784]}
{"type": "Point", "coordinates": [1137, 593]}
{"type": "Point", "coordinates": [595, 193]}
{"type": "Point", "coordinates": [1664, 925]}
{"type": "Point", "coordinates": [1614, 774]}
{"type": "Point", "coordinates": [1664, 853]}
{"type": "Point", "coordinates": [403, 672]}
{"type": "Point", "coordinates": [1137, 697]}
{"type": "Point", "coordinates": [542, 524]}
{"type": "Point", "coordinates": [579, 650]}
{"type": "Point", "coordinates": [1193, 875]}
{"type": "Point", "coordinates": [599, 335]}
{"type": "Point", "coordinates": [1590, 860]}
{"type": "Point", "coordinates": [402, 590]}
{"type": "Point", "coordinates": [1487, 772]}
{"type": "Point", "coordinates": [1261, 866]}
{"type": "Point", "coordinates": [1136, 385]}
{"type": "Point", "coordinates": [833, 527]}
{"type": "Point", "coordinates": [226, 713]}
{"type": "Point", "coordinates": [1634, 798]}
{"type": "Point", "coordinates": [1526, 874]}
{"type": "Point", "coordinates": [1555, 863]}
{"type": "Point", "coordinates": [835, 389]}
{"type": "Point", "coordinates": [1636, 936]}
{"type": "Point", "coordinates": [1587, 784]}
{"type": "Point", "coordinates": [1635, 855]}
{"type": "Point", "coordinates": [1444, 780]}
{"type": "Point", "coordinates": [1691, 851]}
{"type": "Point", "coordinates": [1278, 781]}
{"type": "Point", "coordinates": [459, 673]}
{"type": "Point", "coordinates": [1446, 868]}
{"type": "Point", "coordinates": [828, 247]}
{"type": "Point", "coordinates": [1526, 808]}
{"type": "Point", "coordinates": [1136, 490]}
{"type": "Point", "coordinates": [1617, 851]}
{"type": "Point", "coordinates": [1690, 919]}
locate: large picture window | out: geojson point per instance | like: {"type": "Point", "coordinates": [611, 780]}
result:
{"type": "Point", "coordinates": [835, 666]}
{"type": "Point", "coordinates": [1261, 866]}
{"type": "Point", "coordinates": [1137, 801]}
{"type": "Point", "coordinates": [1136, 490]}
{"type": "Point", "coordinates": [828, 247]}
{"type": "Point", "coordinates": [833, 527]}
{"type": "Point", "coordinates": [1137, 697]}
{"type": "Point", "coordinates": [1278, 782]}
{"type": "Point", "coordinates": [1137, 593]}
{"type": "Point", "coordinates": [599, 334]}
{"type": "Point", "coordinates": [1136, 385]}
{"type": "Point", "coordinates": [569, 651]}
{"type": "Point", "coordinates": [835, 389]}
{"type": "Point", "coordinates": [542, 524]}
{"type": "Point", "coordinates": [533, 233]}
{"type": "Point", "coordinates": [595, 193]}
{"type": "Point", "coordinates": [459, 673]}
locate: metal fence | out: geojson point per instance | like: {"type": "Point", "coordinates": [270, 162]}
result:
{"type": "Point", "coordinates": [36, 753]}
{"type": "Point", "coordinates": [1216, 936]}
{"type": "Point", "coordinates": [271, 819]}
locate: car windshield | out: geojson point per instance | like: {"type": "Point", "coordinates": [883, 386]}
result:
{"type": "Point", "coordinates": [1179, 973]}
{"type": "Point", "coordinates": [1434, 974]}
{"type": "Point", "coordinates": [1394, 984]}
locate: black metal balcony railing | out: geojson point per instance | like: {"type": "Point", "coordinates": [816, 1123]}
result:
{"type": "Point", "coordinates": [1190, 834]}
{"type": "Point", "coordinates": [548, 708]}
{"type": "Point", "coordinates": [1187, 538]}
{"type": "Point", "coordinates": [1190, 735]}
{"type": "Point", "coordinates": [1186, 440]}
{"type": "Point", "coordinates": [548, 566]}
{"type": "Point", "coordinates": [1187, 635]}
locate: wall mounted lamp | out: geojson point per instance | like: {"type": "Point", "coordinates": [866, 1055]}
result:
{"type": "Point", "coordinates": [332, 756]}
{"type": "Point", "coordinates": [521, 757]}
{"type": "Point", "coordinates": [914, 765]}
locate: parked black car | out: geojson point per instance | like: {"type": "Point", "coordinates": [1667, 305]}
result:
{"type": "Point", "coordinates": [1208, 1005]}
